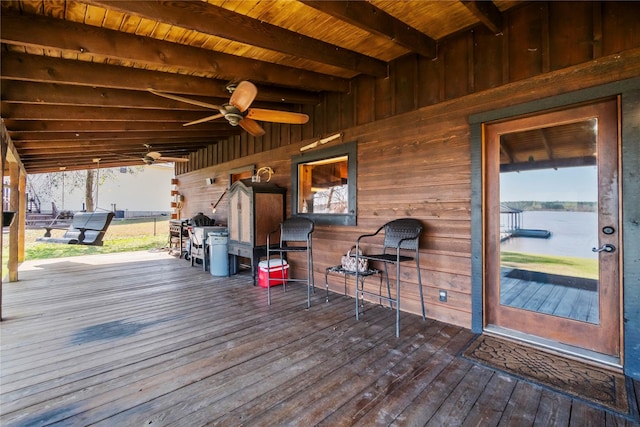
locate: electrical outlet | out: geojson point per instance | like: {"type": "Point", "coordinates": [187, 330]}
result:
{"type": "Point", "coordinates": [443, 295]}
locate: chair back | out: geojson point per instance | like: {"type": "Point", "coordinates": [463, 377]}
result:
{"type": "Point", "coordinates": [405, 228]}
{"type": "Point", "coordinates": [296, 229]}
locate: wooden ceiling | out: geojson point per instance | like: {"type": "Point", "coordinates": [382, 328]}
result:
{"type": "Point", "coordinates": [76, 75]}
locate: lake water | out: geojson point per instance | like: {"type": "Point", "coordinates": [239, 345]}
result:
{"type": "Point", "coordinates": [572, 234]}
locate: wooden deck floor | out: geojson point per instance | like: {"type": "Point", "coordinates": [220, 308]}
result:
{"type": "Point", "coordinates": [146, 339]}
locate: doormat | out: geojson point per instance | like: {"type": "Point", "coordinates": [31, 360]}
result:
{"type": "Point", "coordinates": [591, 383]}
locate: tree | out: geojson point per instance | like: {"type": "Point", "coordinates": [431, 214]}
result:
{"type": "Point", "coordinates": [88, 190]}
{"type": "Point", "coordinates": [54, 185]}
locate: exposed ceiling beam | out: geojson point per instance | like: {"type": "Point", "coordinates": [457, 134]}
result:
{"type": "Point", "coordinates": [220, 22]}
{"type": "Point", "coordinates": [548, 164]}
{"type": "Point", "coordinates": [9, 152]}
{"type": "Point", "coordinates": [506, 151]}
{"type": "Point", "coordinates": [48, 93]}
{"type": "Point", "coordinates": [71, 37]}
{"type": "Point", "coordinates": [176, 149]}
{"type": "Point", "coordinates": [46, 126]}
{"type": "Point", "coordinates": [545, 139]}
{"type": "Point", "coordinates": [364, 15]}
{"type": "Point", "coordinates": [100, 150]}
{"type": "Point", "coordinates": [27, 140]}
{"type": "Point", "coordinates": [44, 69]}
{"type": "Point", "coordinates": [61, 94]}
{"type": "Point", "coordinates": [48, 167]}
{"type": "Point", "coordinates": [79, 150]}
{"type": "Point", "coordinates": [77, 113]}
{"type": "Point", "coordinates": [487, 13]}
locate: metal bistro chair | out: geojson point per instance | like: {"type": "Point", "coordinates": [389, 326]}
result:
{"type": "Point", "coordinates": [400, 236]}
{"type": "Point", "coordinates": [295, 236]}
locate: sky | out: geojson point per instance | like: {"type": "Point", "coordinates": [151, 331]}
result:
{"type": "Point", "coordinates": [565, 184]}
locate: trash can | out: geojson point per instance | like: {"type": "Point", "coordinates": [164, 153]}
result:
{"type": "Point", "coordinates": [218, 257]}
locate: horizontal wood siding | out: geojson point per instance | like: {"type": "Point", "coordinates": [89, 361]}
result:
{"type": "Point", "coordinates": [413, 135]}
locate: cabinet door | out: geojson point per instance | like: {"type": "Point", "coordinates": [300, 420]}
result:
{"type": "Point", "coordinates": [234, 220]}
{"type": "Point", "coordinates": [269, 208]}
{"type": "Point", "coordinates": [244, 217]}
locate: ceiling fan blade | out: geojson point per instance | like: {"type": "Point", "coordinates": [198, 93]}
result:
{"type": "Point", "coordinates": [243, 95]}
{"type": "Point", "coordinates": [251, 126]}
{"type": "Point", "coordinates": [173, 159]}
{"type": "Point", "coordinates": [204, 119]}
{"type": "Point", "coordinates": [186, 100]}
{"type": "Point", "coordinates": [277, 116]}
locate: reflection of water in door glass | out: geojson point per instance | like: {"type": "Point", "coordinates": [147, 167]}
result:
{"type": "Point", "coordinates": [549, 223]}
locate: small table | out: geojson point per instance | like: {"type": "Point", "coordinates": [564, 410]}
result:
{"type": "Point", "coordinates": [338, 269]}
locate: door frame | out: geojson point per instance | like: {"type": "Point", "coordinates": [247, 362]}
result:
{"type": "Point", "coordinates": [629, 90]}
{"type": "Point", "coordinates": [605, 336]}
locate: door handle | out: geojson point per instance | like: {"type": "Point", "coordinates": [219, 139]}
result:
{"type": "Point", "coordinates": [607, 247]}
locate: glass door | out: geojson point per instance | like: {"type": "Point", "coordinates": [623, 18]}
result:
{"type": "Point", "coordinates": [552, 230]}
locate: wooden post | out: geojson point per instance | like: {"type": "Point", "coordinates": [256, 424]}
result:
{"type": "Point", "coordinates": [4, 144]}
{"type": "Point", "coordinates": [14, 202]}
{"type": "Point", "coordinates": [22, 213]}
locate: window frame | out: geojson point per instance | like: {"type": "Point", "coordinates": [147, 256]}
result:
{"type": "Point", "coordinates": [350, 150]}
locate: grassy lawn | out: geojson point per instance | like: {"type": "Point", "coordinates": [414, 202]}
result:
{"type": "Point", "coordinates": [562, 265]}
{"type": "Point", "coordinates": [122, 236]}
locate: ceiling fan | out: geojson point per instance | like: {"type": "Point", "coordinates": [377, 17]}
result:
{"type": "Point", "coordinates": [237, 111]}
{"type": "Point", "coordinates": [153, 156]}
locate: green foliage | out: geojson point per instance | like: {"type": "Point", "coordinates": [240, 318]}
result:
{"type": "Point", "coordinates": [562, 265]}
{"type": "Point", "coordinates": [121, 244]}
{"type": "Point", "coordinates": [122, 236]}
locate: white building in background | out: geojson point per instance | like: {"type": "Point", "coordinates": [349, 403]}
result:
{"type": "Point", "coordinates": [146, 192]}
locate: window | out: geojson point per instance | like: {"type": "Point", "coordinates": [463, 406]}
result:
{"type": "Point", "coordinates": [324, 185]}
{"type": "Point", "coordinates": [241, 173]}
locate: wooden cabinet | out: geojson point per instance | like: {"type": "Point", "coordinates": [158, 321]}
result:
{"type": "Point", "coordinates": [255, 209]}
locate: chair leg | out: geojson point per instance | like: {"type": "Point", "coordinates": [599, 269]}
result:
{"type": "Point", "coordinates": [424, 317]}
{"type": "Point", "coordinates": [386, 274]}
{"type": "Point", "coordinates": [308, 279]}
{"type": "Point", "coordinates": [204, 257]}
{"type": "Point", "coordinates": [357, 297]}
{"type": "Point", "coordinates": [268, 281]}
{"type": "Point", "coordinates": [398, 300]}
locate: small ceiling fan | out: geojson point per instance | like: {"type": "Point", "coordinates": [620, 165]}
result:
{"type": "Point", "coordinates": [237, 111]}
{"type": "Point", "coordinates": [153, 156]}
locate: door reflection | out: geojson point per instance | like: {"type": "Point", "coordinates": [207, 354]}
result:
{"type": "Point", "coordinates": [549, 221]}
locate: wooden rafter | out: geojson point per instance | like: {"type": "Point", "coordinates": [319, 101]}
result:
{"type": "Point", "coordinates": [487, 13]}
{"type": "Point", "coordinates": [370, 18]}
{"type": "Point", "coordinates": [217, 21]}
{"type": "Point", "coordinates": [18, 127]}
{"type": "Point", "coordinates": [544, 139]}
{"type": "Point", "coordinates": [48, 93]}
{"type": "Point", "coordinates": [63, 71]}
{"type": "Point", "coordinates": [70, 37]}
{"type": "Point", "coordinates": [506, 151]}
{"type": "Point", "coordinates": [22, 139]}
{"type": "Point", "coordinates": [79, 113]}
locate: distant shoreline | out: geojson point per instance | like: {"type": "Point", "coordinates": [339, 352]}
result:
{"type": "Point", "coordinates": [535, 205]}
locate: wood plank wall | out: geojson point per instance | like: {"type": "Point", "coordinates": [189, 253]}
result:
{"type": "Point", "coordinates": [413, 133]}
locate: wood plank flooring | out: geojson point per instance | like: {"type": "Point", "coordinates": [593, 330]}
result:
{"type": "Point", "coordinates": [145, 339]}
{"type": "Point", "coordinates": [558, 300]}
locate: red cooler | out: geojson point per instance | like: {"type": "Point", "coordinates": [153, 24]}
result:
{"type": "Point", "coordinates": [277, 269]}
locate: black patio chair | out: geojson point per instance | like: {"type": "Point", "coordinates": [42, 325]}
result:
{"type": "Point", "coordinates": [295, 237]}
{"type": "Point", "coordinates": [401, 244]}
